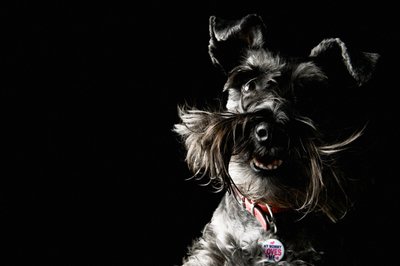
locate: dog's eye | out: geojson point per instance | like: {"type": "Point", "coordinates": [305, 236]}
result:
{"type": "Point", "coordinates": [249, 86]}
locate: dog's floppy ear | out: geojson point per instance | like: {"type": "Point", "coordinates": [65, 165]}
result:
{"type": "Point", "coordinates": [332, 55]}
{"type": "Point", "coordinates": [230, 38]}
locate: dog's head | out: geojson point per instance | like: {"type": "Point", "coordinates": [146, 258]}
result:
{"type": "Point", "coordinates": [264, 142]}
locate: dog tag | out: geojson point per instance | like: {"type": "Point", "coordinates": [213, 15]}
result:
{"type": "Point", "coordinates": [273, 250]}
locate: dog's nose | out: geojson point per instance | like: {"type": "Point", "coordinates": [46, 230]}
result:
{"type": "Point", "coordinates": [261, 132]}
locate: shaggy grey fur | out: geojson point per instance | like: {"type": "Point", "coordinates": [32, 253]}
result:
{"type": "Point", "coordinates": [265, 144]}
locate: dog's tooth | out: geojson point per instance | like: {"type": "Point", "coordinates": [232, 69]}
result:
{"type": "Point", "coordinates": [261, 165]}
{"type": "Point", "coordinates": [271, 166]}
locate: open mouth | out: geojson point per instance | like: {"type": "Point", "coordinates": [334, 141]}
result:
{"type": "Point", "coordinates": [265, 164]}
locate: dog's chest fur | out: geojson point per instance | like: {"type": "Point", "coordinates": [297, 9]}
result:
{"type": "Point", "coordinates": [238, 236]}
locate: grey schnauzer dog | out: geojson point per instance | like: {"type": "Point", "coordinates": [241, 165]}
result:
{"type": "Point", "coordinates": [284, 190]}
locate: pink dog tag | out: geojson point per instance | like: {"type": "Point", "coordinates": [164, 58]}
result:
{"type": "Point", "coordinates": [273, 250]}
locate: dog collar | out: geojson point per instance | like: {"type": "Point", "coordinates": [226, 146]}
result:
{"type": "Point", "coordinates": [272, 249]}
{"type": "Point", "coordinates": [262, 212]}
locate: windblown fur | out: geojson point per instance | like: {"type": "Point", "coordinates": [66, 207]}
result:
{"type": "Point", "coordinates": [266, 145]}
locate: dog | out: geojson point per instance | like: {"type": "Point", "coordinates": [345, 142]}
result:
{"type": "Point", "coordinates": [284, 188]}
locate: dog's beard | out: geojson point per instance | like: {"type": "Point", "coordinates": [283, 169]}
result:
{"type": "Point", "coordinates": [210, 139]}
{"type": "Point", "coordinates": [219, 145]}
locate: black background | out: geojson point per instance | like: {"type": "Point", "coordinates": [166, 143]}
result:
{"type": "Point", "coordinates": [92, 173]}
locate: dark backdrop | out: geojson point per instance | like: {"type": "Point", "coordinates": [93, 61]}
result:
{"type": "Point", "coordinates": [91, 171]}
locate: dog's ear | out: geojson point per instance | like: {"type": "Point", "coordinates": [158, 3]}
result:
{"type": "Point", "coordinates": [338, 61]}
{"type": "Point", "coordinates": [230, 38]}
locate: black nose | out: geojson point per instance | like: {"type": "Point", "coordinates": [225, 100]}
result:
{"type": "Point", "coordinates": [261, 132]}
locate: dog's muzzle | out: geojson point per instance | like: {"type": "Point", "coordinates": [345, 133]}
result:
{"type": "Point", "coordinates": [269, 152]}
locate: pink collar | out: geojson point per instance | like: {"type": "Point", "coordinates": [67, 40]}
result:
{"type": "Point", "coordinates": [262, 212]}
